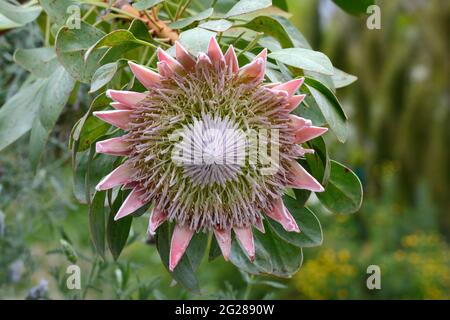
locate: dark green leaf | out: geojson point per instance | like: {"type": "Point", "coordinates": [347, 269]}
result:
{"type": "Point", "coordinates": [117, 231]}
{"type": "Point", "coordinates": [280, 4]}
{"type": "Point", "coordinates": [214, 250]}
{"type": "Point", "coordinates": [116, 38]}
{"type": "Point", "coordinates": [273, 255]}
{"type": "Point", "coordinates": [90, 128]}
{"type": "Point", "coordinates": [310, 230]}
{"type": "Point", "coordinates": [184, 272]}
{"type": "Point", "coordinates": [355, 7]}
{"type": "Point", "coordinates": [79, 176]}
{"type": "Point", "coordinates": [310, 110]}
{"type": "Point", "coordinates": [343, 193]}
{"type": "Point", "coordinates": [330, 107]}
{"type": "Point", "coordinates": [140, 30]}
{"type": "Point", "coordinates": [196, 249]}
{"type": "Point", "coordinates": [97, 222]}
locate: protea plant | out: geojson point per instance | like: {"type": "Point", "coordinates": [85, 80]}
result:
{"type": "Point", "coordinates": [211, 100]}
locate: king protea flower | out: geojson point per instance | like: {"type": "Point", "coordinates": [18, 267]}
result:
{"type": "Point", "coordinates": [210, 91]}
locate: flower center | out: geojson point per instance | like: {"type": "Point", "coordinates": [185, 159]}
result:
{"type": "Point", "coordinates": [212, 150]}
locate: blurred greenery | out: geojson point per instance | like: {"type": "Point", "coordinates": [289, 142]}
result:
{"type": "Point", "coordinates": [398, 146]}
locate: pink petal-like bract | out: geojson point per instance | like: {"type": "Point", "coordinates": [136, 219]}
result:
{"type": "Point", "coordinates": [291, 86]}
{"type": "Point", "coordinates": [180, 241]}
{"type": "Point", "coordinates": [282, 215]}
{"type": "Point", "coordinates": [147, 77]}
{"type": "Point", "coordinates": [214, 51]}
{"type": "Point", "coordinates": [131, 204]}
{"type": "Point", "coordinates": [184, 57]}
{"type": "Point", "coordinates": [119, 176]}
{"type": "Point", "coordinates": [156, 219]}
{"type": "Point", "coordinates": [118, 118]}
{"type": "Point", "coordinates": [253, 70]}
{"type": "Point", "coordinates": [171, 62]}
{"type": "Point", "coordinates": [211, 100]}
{"type": "Point", "coordinates": [114, 146]}
{"type": "Point", "coordinates": [259, 224]}
{"type": "Point", "coordinates": [223, 237]}
{"type": "Point", "coordinates": [120, 106]}
{"type": "Point", "coordinates": [245, 238]}
{"type": "Point", "coordinates": [128, 98]}
{"type": "Point", "coordinates": [309, 133]}
{"type": "Point", "coordinates": [295, 101]}
{"type": "Point", "coordinates": [231, 60]}
{"type": "Point", "coordinates": [301, 179]}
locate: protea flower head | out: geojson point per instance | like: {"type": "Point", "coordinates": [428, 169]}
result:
{"type": "Point", "coordinates": [213, 102]}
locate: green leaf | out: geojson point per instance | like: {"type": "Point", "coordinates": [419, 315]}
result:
{"type": "Point", "coordinates": [41, 62]}
{"type": "Point", "coordinates": [146, 4]}
{"type": "Point", "coordinates": [196, 40]}
{"type": "Point", "coordinates": [117, 231]}
{"type": "Point", "coordinates": [139, 30]}
{"type": "Point", "coordinates": [246, 6]}
{"type": "Point", "coordinates": [79, 176]}
{"type": "Point", "coordinates": [355, 7]}
{"type": "Point", "coordinates": [280, 4]}
{"type": "Point", "coordinates": [103, 75]}
{"type": "Point", "coordinates": [90, 128]}
{"type": "Point", "coordinates": [71, 45]}
{"type": "Point", "coordinates": [12, 16]}
{"type": "Point", "coordinates": [330, 107]}
{"type": "Point", "coordinates": [322, 78]}
{"type": "Point", "coordinates": [304, 59]}
{"type": "Point", "coordinates": [279, 28]}
{"type": "Point", "coordinates": [182, 23]}
{"type": "Point", "coordinates": [55, 95]}
{"type": "Point", "coordinates": [196, 249]}
{"type": "Point", "coordinates": [220, 25]}
{"type": "Point", "coordinates": [99, 166]}
{"type": "Point", "coordinates": [184, 271]}
{"type": "Point", "coordinates": [273, 255]}
{"type": "Point", "coordinates": [310, 229]}
{"type": "Point", "coordinates": [214, 250]}
{"type": "Point", "coordinates": [57, 10]}
{"type": "Point", "coordinates": [309, 109]}
{"type": "Point", "coordinates": [342, 79]}
{"type": "Point", "coordinates": [18, 113]}
{"type": "Point", "coordinates": [97, 222]}
{"type": "Point", "coordinates": [343, 193]}
{"type": "Point", "coordinates": [113, 39]}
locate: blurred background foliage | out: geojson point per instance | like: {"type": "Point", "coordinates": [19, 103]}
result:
{"type": "Point", "coordinates": [398, 146]}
